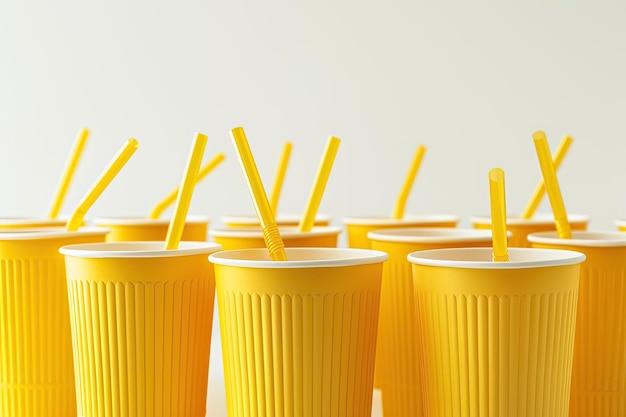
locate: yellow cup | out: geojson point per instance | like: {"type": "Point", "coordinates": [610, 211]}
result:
{"type": "Point", "coordinates": [249, 238]}
{"type": "Point", "coordinates": [29, 222]}
{"type": "Point", "coordinates": [521, 228]}
{"type": "Point", "coordinates": [599, 370]}
{"type": "Point", "coordinates": [496, 338]}
{"type": "Point", "coordinates": [142, 229]}
{"type": "Point", "coordinates": [141, 321]}
{"type": "Point", "coordinates": [359, 227]}
{"type": "Point", "coordinates": [36, 368]}
{"type": "Point", "coordinates": [298, 336]}
{"type": "Point", "coordinates": [397, 360]}
{"type": "Point", "coordinates": [281, 220]}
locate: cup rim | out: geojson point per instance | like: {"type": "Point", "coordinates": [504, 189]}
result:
{"type": "Point", "coordinates": [32, 233]}
{"type": "Point", "coordinates": [408, 220]}
{"type": "Point", "coordinates": [253, 219]}
{"type": "Point", "coordinates": [137, 249]}
{"type": "Point", "coordinates": [581, 238]}
{"type": "Point", "coordinates": [480, 258]}
{"type": "Point", "coordinates": [18, 221]}
{"type": "Point", "coordinates": [431, 235]}
{"type": "Point", "coordinates": [144, 221]}
{"type": "Point", "coordinates": [537, 219]}
{"type": "Point", "coordinates": [259, 258]}
{"type": "Point", "coordinates": [285, 232]}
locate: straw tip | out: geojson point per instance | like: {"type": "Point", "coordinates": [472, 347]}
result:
{"type": "Point", "coordinates": [496, 174]}
{"type": "Point", "coordinates": [539, 135]}
{"type": "Point", "coordinates": [132, 142]}
{"type": "Point", "coordinates": [200, 136]}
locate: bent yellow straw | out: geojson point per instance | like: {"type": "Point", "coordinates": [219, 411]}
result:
{"type": "Point", "coordinates": [162, 205]}
{"type": "Point", "coordinates": [177, 223]}
{"type": "Point", "coordinates": [498, 215]}
{"type": "Point", "coordinates": [540, 190]}
{"type": "Point", "coordinates": [273, 240]}
{"type": "Point", "coordinates": [68, 174]}
{"type": "Point", "coordinates": [552, 185]}
{"type": "Point", "coordinates": [105, 179]}
{"type": "Point", "coordinates": [398, 213]}
{"type": "Point", "coordinates": [279, 178]}
{"type": "Point", "coordinates": [321, 179]}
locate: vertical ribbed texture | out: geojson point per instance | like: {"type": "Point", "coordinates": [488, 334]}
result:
{"type": "Point", "coordinates": [397, 360]}
{"type": "Point", "coordinates": [599, 373]}
{"type": "Point", "coordinates": [36, 370]}
{"type": "Point", "coordinates": [298, 355]}
{"type": "Point", "coordinates": [490, 356]}
{"type": "Point", "coordinates": [142, 349]}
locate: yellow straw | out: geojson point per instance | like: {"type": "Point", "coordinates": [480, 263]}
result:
{"type": "Point", "coordinates": [398, 213]}
{"type": "Point", "coordinates": [273, 240]}
{"type": "Point", "coordinates": [540, 190]}
{"type": "Point", "coordinates": [76, 219]}
{"type": "Point", "coordinates": [177, 224]}
{"type": "Point", "coordinates": [280, 177]}
{"type": "Point", "coordinates": [552, 185]}
{"type": "Point", "coordinates": [498, 215]}
{"type": "Point", "coordinates": [319, 185]}
{"type": "Point", "coordinates": [162, 205]}
{"type": "Point", "coordinates": [68, 174]}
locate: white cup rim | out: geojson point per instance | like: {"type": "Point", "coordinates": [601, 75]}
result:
{"type": "Point", "coordinates": [408, 220]}
{"type": "Point", "coordinates": [481, 258]}
{"type": "Point", "coordinates": [285, 232]}
{"type": "Point", "coordinates": [149, 249]}
{"type": "Point", "coordinates": [431, 235]}
{"type": "Point", "coordinates": [580, 238]}
{"type": "Point", "coordinates": [300, 258]}
{"type": "Point", "coordinates": [18, 221]}
{"type": "Point", "coordinates": [144, 221]}
{"type": "Point", "coordinates": [252, 219]}
{"type": "Point", "coordinates": [537, 219]}
{"type": "Point", "coordinates": [32, 233]}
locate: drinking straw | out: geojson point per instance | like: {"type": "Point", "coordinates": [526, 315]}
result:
{"type": "Point", "coordinates": [271, 235]}
{"type": "Point", "coordinates": [280, 176]}
{"type": "Point", "coordinates": [76, 219]}
{"type": "Point", "coordinates": [68, 174]}
{"type": "Point", "coordinates": [319, 185]}
{"type": "Point", "coordinates": [540, 190]}
{"type": "Point", "coordinates": [177, 223]}
{"type": "Point", "coordinates": [398, 213]}
{"type": "Point", "coordinates": [162, 205]}
{"type": "Point", "coordinates": [552, 185]}
{"type": "Point", "coordinates": [498, 215]}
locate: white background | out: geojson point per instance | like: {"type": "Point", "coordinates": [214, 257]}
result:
{"type": "Point", "coordinates": [470, 80]}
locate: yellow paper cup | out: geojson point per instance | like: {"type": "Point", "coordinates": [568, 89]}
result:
{"type": "Point", "coordinates": [248, 238]}
{"type": "Point", "coordinates": [496, 338]}
{"type": "Point", "coordinates": [298, 336]}
{"type": "Point", "coordinates": [599, 371]}
{"type": "Point", "coordinates": [521, 228]}
{"type": "Point", "coordinates": [359, 227]}
{"type": "Point", "coordinates": [141, 321]}
{"type": "Point", "coordinates": [36, 368]}
{"type": "Point", "coordinates": [141, 229]}
{"type": "Point", "coordinates": [281, 220]}
{"type": "Point", "coordinates": [397, 360]}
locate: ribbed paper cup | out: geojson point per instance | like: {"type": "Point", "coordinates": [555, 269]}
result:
{"type": "Point", "coordinates": [141, 323]}
{"type": "Point", "coordinates": [359, 227]}
{"type": "Point", "coordinates": [521, 228]}
{"type": "Point", "coordinates": [299, 336]}
{"type": "Point", "coordinates": [497, 338]}
{"type": "Point", "coordinates": [249, 238]}
{"type": "Point", "coordinates": [140, 229]}
{"type": "Point", "coordinates": [397, 358]}
{"type": "Point", "coordinates": [36, 368]}
{"type": "Point", "coordinates": [599, 372]}
{"type": "Point", "coordinates": [281, 220]}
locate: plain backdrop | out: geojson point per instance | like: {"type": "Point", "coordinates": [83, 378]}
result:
{"type": "Point", "coordinates": [470, 80]}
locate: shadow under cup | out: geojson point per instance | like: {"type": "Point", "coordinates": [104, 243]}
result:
{"type": "Point", "coordinates": [141, 320]}
{"type": "Point", "coordinates": [299, 336]}
{"type": "Point", "coordinates": [497, 338]}
{"type": "Point", "coordinates": [36, 367]}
